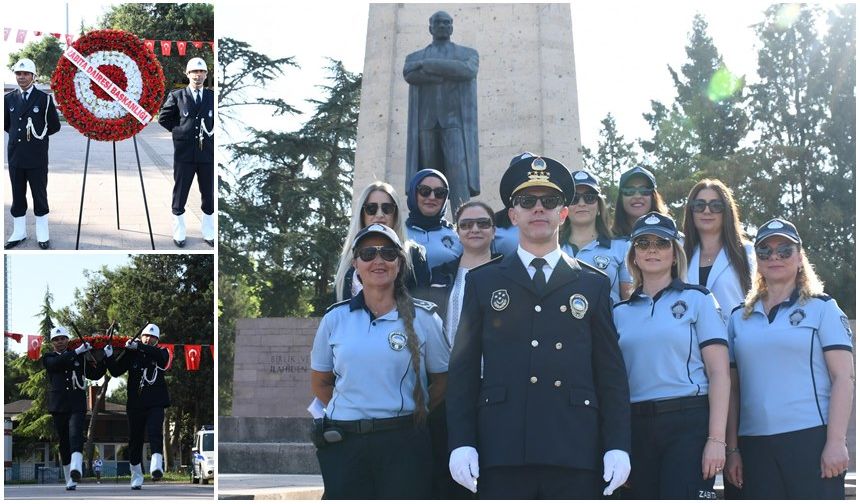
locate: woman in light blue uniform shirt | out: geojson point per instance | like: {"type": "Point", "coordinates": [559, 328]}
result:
{"type": "Point", "coordinates": [379, 359]}
{"type": "Point", "coordinates": [719, 256]}
{"type": "Point", "coordinates": [585, 235]}
{"type": "Point", "coordinates": [637, 195]}
{"type": "Point", "coordinates": [427, 199]}
{"type": "Point", "coordinates": [792, 378]}
{"type": "Point", "coordinates": [676, 353]}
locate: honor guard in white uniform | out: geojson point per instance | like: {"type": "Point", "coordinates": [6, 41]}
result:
{"type": "Point", "coordinates": [189, 114]}
{"type": "Point", "coordinates": [29, 117]}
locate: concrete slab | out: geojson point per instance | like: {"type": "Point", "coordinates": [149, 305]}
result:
{"type": "Point", "coordinates": [270, 486]}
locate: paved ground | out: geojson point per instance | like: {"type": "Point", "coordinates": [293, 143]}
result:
{"type": "Point", "coordinates": [150, 491]}
{"type": "Point", "coordinates": [99, 227]}
{"type": "Point", "coordinates": [270, 486]}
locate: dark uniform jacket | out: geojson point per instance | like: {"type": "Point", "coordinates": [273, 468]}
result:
{"type": "Point", "coordinates": [22, 153]}
{"type": "Point", "coordinates": [65, 371]}
{"type": "Point", "coordinates": [142, 395]}
{"type": "Point", "coordinates": [181, 116]}
{"type": "Point", "coordinates": [442, 281]}
{"type": "Point", "coordinates": [554, 389]}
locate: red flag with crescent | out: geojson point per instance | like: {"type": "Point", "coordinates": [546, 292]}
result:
{"type": "Point", "coordinates": [198, 44]}
{"type": "Point", "coordinates": [165, 47]}
{"type": "Point", "coordinates": [22, 34]}
{"type": "Point", "coordinates": [34, 347]}
{"type": "Point", "coordinates": [192, 357]}
{"type": "Point", "coordinates": [170, 351]}
{"type": "Point", "coordinates": [180, 46]}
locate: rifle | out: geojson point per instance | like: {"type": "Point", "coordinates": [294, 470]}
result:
{"type": "Point", "coordinates": [78, 334]}
{"type": "Point", "coordinates": [136, 337]}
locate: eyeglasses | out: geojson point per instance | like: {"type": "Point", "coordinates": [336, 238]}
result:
{"type": "Point", "coordinates": [372, 208]}
{"type": "Point", "coordinates": [632, 191]}
{"type": "Point", "coordinates": [645, 244]}
{"type": "Point", "coordinates": [424, 191]}
{"type": "Point", "coordinates": [588, 198]}
{"type": "Point", "coordinates": [482, 223]}
{"type": "Point", "coordinates": [368, 254]}
{"type": "Point", "coordinates": [528, 201]}
{"type": "Point", "coordinates": [783, 251]}
{"type": "Point", "coordinates": [716, 206]}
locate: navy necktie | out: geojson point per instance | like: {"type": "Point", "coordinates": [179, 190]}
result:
{"type": "Point", "coordinates": [539, 279]}
{"type": "Point", "coordinates": [197, 97]}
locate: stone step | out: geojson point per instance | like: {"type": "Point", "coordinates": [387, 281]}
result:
{"type": "Point", "coordinates": [267, 458]}
{"type": "Point", "coordinates": [264, 429]}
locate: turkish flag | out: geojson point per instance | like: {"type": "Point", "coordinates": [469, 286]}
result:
{"type": "Point", "coordinates": [192, 357]}
{"type": "Point", "coordinates": [34, 347]}
{"type": "Point", "coordinates": [22, 34]}
{"type": "Point", "coordinates": [165, 47]}
{"type": "Point", "coordinates": [56, 35]}
{"type": "Point", "coordinates": [212, 46]}
{"type": "Point", "coordinates": [37, 33]}
{"type": "Point", "coordinates": [69, 39]}
{"type": "Point", "coordinates": [150, 44]}
{"type": "Point", "coordinates": [15, 336]}
{"type": "Point", "coordinates": [6, 32]}
{"type": "Point", "coordinates": [212, 351]}
{"type": "Point", "coordinates": [180, 46]}
{"type": "Point", "coordinates": [198, 44]}
{"type": "Point", "coordinates": [169, 348]}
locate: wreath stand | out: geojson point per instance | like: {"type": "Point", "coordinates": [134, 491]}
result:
{"type": "Point", "coordinates": [116, 191]}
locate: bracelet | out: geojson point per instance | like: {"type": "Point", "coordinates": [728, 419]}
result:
{"type": "Point", "coordinates": [729, 451]}
{"type": "Point", "coordinates": [717, 441]}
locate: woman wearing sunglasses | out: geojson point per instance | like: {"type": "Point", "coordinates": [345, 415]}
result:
{"type": "Point", "coordinates": [427, 199]}
{"type": "Point", "coordinates": [718, 255]}
{"type": "Point", "coordinates": [390, 358]}
{"type": "Point", "coordinates": [585, 235]}
{"type": "Point", "coordinates": [637, 196]}
{"type": "Point", "coordinates": [792, 378]}
{"type": "Point", "coordinates": [678, 369]}
{"type": "Point", "coordinates": [377, 204]}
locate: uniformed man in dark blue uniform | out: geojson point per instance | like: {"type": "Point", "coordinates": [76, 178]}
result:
{"type": "Point", "coordinates": [189, 113]}
{"type": "Point", "coordinates": [30, 117]}
{"type": "Point", "coordinates": [551, 412]}
{"type": "Point", "coordinates": [147, 398]}
{"type": "Point", "coordinates": [67, 372]}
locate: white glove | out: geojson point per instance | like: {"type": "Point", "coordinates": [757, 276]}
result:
{"type": "Point", "coordinates": [616, 467]}
{"type": "Point", "coordinates": [463, 465]}
{"type": "Point", "coordinates": [131, 345]}
{"type": "Point", "coordinates": [83, 348]}
{"type": "Point", "coordinates": [108, 350]}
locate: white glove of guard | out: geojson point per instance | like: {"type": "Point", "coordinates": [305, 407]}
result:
{"type": "Point", "coordinates": [83, 348]}
{"type": "Point", "coordinates": [131, 345]}
{"type": "Point", "coordinates": [616, 467]}
{"type": "Point", "coordinates": [108, 350]}
{"type": "Point", "coordinates": [463, 465]}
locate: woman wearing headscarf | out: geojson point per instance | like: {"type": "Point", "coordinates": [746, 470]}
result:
{"type": "Point", "coordinates": [427, 199]}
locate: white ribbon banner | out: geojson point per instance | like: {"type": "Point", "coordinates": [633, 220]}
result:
{"type": "Point", "coordinates": [107, 85]}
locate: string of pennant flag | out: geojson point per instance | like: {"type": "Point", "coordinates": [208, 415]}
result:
{"type": "Point", "coordinates": [166, 46]}
{"type": "Point", "coordinates": [193, 353]}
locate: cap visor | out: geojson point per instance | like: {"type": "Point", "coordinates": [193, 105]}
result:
{"type": "Point", "coordinates": [654, 230]}
{"type": "Point", "coordinates": [765, 236]}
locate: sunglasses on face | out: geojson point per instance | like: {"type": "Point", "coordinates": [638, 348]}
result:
{"type": "Point", "coordinates": [645, 244]}
{"type": "Point", "coordinates": [372, 208]}
{"type": "Point", "coordinates": [699, 205]}
{"type": "Point", "coordinates": [783, 251]}
{"type": "Point", "coordinates": [425, 191]}
{"type": "Point", "coordinates": [588, 198]}
{"type": "Point", "coordinates": [528, 201]}
{"type": "Point", "coordinates": [368, 254]}
{"type": "Point", "coordinates": [482, 223]}
{"type": "Point", "coordinates": [632, 191]}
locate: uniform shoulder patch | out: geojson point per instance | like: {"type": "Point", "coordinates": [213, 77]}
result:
{"type": "Point", "coordinates": [703, 290]}
{"type": "Point", "coordinates": [738, 307]}
{"type": "Point", "coordinates": [494, 260]}
{"type": "Point", "coordinates": [586, 266]}
{"type": "Point", "coordinates": [425, 305]}
{"type": "Point", "coordinates": [823, 297]}
{"type": "Point", "coordinates": [339, 303]}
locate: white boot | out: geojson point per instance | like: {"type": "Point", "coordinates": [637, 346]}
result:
{"type": "Point", "coordinates": [136, 477]}
{"type": "Point", "coordinates": [19, 232]}
{"type": "Point", "coordinates": [42, 232]}
{"type": "Point", "coordinates": [179, 230]}
{"type": "Point", "coordinates": [77, 460]}
{"type": "Point", "coordinates": [156, 468]}
{"type": "Point", "coordinates": [208, 228]}
{"type": "Point", "coordinates": [70, 483]}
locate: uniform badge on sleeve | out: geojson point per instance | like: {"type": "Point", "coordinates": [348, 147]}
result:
{"type": "Point", "coordinates": [796, 316]}
{"type": "Point", "coordinates": [500, 300]}
{"type": "Point", "coordinates": [397, 341]}
{"type": "Point", "coordinates": [679, 309]}
{"type": "Point", "coordinates": [847, 326]}
{"type": "Point", "coordinates": [578, 306]}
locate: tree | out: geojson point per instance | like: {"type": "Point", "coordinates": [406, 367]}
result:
{"type": "Point", "coordinates": [614, 156]}
{"type": "Point", "coordinates": [45, 53]}
{"type": "Point", "coordinates": [235, 300]}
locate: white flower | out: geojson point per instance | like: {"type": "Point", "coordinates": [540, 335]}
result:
{"type": "Point", "coordinates": [108, 109]}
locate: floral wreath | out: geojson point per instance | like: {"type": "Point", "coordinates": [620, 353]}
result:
{"type": "Point", "coordinates": [126, 61]}
{"type": "Point", "coordinates": [99, 342]}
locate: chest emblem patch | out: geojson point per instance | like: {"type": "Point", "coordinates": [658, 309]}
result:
{"type": "Point", "coordinates": [601, 262]}
{"type": "Point", "coordinates": [578, 306]}
{"type": "Point", "coordinates": [397, 341]}
{"type": "Point", "coordinates": [448, 242]}
{"type": "Point", "coordinates": [796, 317]}
{"type": "Point", "coordinates": [679, 309]}
{"type": "Point", "coordinates": [500, 300]}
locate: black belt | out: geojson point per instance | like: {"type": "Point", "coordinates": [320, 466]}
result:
{"type": "Point", "coordinates": [369, 425]}
{"type": "Point", "coordinates": [668, 405]}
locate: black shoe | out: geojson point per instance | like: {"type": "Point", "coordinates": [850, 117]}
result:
{"type": "Point", "coordinates": [75, 474]}
{"type": "Point", "coordinates": [211, 243]}
{"type": "Point", "coordinates": [45, 245]}
{"type": "Point", "coordinates": [156, 475]}
{"type": "Point", "coordinates": [135, 488]}
{"type": "Point", "coordinates": [72, 488]}
{"type": "Point", "coordinates": [13, 243]}
{"type": "Point", "coordinates": [179, 243]}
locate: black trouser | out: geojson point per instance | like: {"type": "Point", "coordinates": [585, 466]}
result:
{"type": "Point", "coordinates": [444, 486]}
{"type": "Point", "coordinates": [666, 461]}
{"type": "Point", "coordinates": [38, 180]}
{"type": "Point", "coordinates": [151, 421]}
{"type": "Point", "coordinates": [183, 176]}
{"type": "Point", "coordinates": [788, 466]}
{"type": "Point", "coordinates": [70, 430]}
{"type": "Point", "coordinates": [538, 482]}
{"type": "Point", "coordinates": [391, 464]}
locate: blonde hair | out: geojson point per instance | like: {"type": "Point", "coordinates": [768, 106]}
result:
{"type": "Point", "coordinates": [807, 282]}
{"type": "Point", "coordinates": [679, 264]}
{"type": "Point", "coordinates": [355, 225]}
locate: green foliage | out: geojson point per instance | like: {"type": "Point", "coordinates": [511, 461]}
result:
{"type": "Point", "coordinates": [614, 156]}
{"type": "Point", "coordinates": [235, 300]}
{"type": "Point", "coordinates": [44, 52]}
